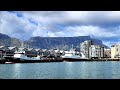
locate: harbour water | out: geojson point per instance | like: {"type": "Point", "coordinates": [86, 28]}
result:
{"type": "Point", "coordinates": [61, 70]}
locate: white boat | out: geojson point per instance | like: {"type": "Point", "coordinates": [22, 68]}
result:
{"type": "Point", "coordinates": [20, 56]}
{"type": "Point", "coordinates": [9, 62]}
{"type": "Point", "coordinates": [72, 55]}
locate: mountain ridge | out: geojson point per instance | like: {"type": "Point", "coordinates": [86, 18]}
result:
{"type": "Point", "coordinates": [48, 42]}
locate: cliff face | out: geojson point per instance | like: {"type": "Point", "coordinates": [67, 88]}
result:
{"type": "Point", "coordinates": [59, 42]}
{"type": "Point", "coordinates": [15, 42]}
{"type": "Point", "coordinates": [55, 42]}
{"type": "Point", "coordinates": [48, 42]}
{"type": "Point", "coordinates": [8, 41]}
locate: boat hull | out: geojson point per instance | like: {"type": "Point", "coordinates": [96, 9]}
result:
{"type": "Point", "coordinates": [17, 60]}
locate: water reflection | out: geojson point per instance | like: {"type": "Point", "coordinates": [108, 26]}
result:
{"type": "Point", "coordinates": [17, 71]}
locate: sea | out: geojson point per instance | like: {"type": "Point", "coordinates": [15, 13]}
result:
{"type": "Point", "coordinates": [62, 70]}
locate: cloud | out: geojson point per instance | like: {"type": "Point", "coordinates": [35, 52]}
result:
{"type": "Point", "coordinates": [104, 25]}
{"type": "Point", "coordinates": [75, 17]}
{"type": "Point", "coordinates": [15, 26]}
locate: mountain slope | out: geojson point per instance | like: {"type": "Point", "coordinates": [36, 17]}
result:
{"type": "Point", "coordinates": [59, 42]}
{"type": "Point", "coordinates": [48, 42]}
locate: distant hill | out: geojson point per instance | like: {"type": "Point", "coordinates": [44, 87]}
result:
{"type": "Point", "coordinates": [4, 39]}
{"type": "Point", "coordinates": [48, 42]}
{"type": "Point", "coordinates": [8, 41]}
{"type": "Point", "coordinates": [59, 42]}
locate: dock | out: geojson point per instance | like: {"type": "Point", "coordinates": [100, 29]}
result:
{"type": "Point", "coordinates": [46, 60]}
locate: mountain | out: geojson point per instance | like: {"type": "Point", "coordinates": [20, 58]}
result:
{"type": "Point", "coordinates": [16, 42]}
{"type": "Point", "coordinates": [48, 42]}
{"type": "Point", "coordinates": [59, 42]}
{"type": "Point", "coordinates": [8, 41]}
{"type": "Point", "coordinates": [4, 39]}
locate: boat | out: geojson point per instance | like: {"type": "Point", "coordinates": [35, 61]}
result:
{"type": "Point", "coordinates": [20, 57]}
{"type": "Point", "coordinates": [73, 55]}
{"type": "Point", "coordinates": [9, 62]}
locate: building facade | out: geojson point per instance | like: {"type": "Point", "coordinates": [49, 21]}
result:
{"type": "Point", "coordinates": [115, 51]}
{"type": "Point", "coordinates": [96, 51]}
{"type": "Point", "coordinates": [84, 47]}
{"type": "Point", "coordinates": [107, 53]}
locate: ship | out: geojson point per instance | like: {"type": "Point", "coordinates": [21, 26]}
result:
{"type": "Point", "coordinates": [73, 55]}
{"type": "Point", "coordinates": [21, 57]}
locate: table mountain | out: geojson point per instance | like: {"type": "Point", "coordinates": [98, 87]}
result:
{"type": "Point", "coordinates": [59, 42]}
{"type": "Point", "coordinates": [48, 42]}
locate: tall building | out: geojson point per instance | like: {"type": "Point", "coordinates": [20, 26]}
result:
{"type": "Point", "coordinates": [115, 51]}
{"type": "Point", "coordinates": [84, 47]}
{"type": "Point", "coordinates": [96, 51]}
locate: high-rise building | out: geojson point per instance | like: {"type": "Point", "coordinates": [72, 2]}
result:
{"type": "Point", "coordinates": [84, 47]}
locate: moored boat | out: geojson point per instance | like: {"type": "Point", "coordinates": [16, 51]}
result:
{"type": "Point", "coordinates": [9, 62]}
{"type": "Point", "coordinates": [72, 55]}
{"type": "Point", "coordinates": [20, 56]}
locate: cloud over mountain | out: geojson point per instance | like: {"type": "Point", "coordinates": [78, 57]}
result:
{"type": "Point", "coordinates": [104, 25]}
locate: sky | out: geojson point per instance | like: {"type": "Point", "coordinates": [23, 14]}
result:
{"type": "Point", "coordinates": [103, 25]}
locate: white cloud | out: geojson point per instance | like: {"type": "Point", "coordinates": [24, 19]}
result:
{"type": "Point", "coordinates": [78, 17]}
{"type": "Point", "coordinates": [89, 30]}
{"type": "Point", "coordinates": [61, 23]}
{"type": "Point", "coordinates": [15, 26]}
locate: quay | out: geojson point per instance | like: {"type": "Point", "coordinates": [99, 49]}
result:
{"type": "Point", "coordinates": [91, 60]}
{"type": "Point", "coordinates": [3, 61]}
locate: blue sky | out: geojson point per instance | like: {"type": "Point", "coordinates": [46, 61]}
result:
{"type": "Point", "coordinates": [103, 25]}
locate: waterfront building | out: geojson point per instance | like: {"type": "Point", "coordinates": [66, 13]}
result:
{"type": "Point", "coordinates": [39, 51]}
{"type": "Point", "coordinates": [107, 53]}
{"type": "Point", "coordinates": [13, 49]}
{"type": "Point", "coordinates": [84, 47]}
{"type": "Point", "coordinates": [31, 52]}
{"type": "Point", "coordinates": [22, 49]}
{"type": "Point", "coordinates": [115, 51]}
{"type": "Point", "coordinates": [4, 48]}
{"type": "Point", "coordinates": [46, 52]}
{"type": "Point", "coordinates": [96, 51]}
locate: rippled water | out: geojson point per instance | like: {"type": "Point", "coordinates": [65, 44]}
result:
{"type": "Point", "coordinates": [61, 70]}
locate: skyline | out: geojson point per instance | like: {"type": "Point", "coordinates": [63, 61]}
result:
{"type": "Point", "coordinates": [103, 25]}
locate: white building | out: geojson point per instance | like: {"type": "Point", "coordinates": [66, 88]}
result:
{"type": "Point", "coordinates": [84, 47]}
{"type": "Point", "coordinates": [115, 51]}
{"type": "Point", "coordinates": [96, 51]}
